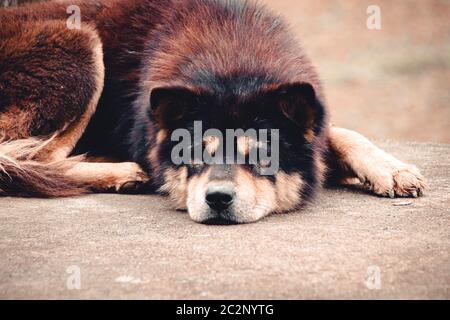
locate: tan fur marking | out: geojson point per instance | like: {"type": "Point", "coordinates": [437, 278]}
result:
{"type": "Point", "coordinates": [211, 144]}
{"type": "Point", "coordinates": [383, 173]}
{"type": "Point", "coordinates": [196, 191]}
{"type": "Point", "coordinates": [175, 186]}
{"type": "Point", "coordinates": [309, 135]}
{"type": "Point", "coordinates": [245, 144]}
{"type": "Point", "coordinates": [161, 136]}
{"type": "Point", "coordinates": [321, 168]}
{"type": "Point", "coordinates": [288, 189]}
{"type": "Point", "coordinates": [106, 176]}
{"type": "Point", "coordinates": [256, 197]}
{"type": "Point", "coordinates": [245, 186]}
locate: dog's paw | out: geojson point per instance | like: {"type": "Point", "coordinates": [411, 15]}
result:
{"type": "Point", "coordinates": [131, 187]}
{"type": "Point", "coordinates": [396, 181]}
{"type": "Point", "coordinates": [130, 178]}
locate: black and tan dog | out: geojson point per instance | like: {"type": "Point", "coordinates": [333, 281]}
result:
{"type": "Point", "coordinates": [115, 90]}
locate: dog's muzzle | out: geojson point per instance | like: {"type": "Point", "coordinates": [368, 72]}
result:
{"type": "Point", "coordinates": [220, 199]}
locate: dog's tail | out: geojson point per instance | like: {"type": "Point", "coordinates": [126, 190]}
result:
{"type": "Point", "coordinates": [22, 176]}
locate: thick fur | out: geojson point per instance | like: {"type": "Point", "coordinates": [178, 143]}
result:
{"type": "Point", "coordinates": [20, 176]}
{"type": "Point", "coordinates": [148, 67]}
{"type": "Point", "coordinates": [50, 83]}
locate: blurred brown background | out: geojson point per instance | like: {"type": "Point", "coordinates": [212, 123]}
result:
{"type": "Point", "coordinates": [392, 83]}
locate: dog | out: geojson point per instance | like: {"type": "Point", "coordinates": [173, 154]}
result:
{"type": "Point", "coordinates": [95, 108]}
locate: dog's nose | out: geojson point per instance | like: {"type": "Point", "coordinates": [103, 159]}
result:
{"type": "Point", "coordinates": [219, 198]}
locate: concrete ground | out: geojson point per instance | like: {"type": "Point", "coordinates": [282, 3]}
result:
{"type": "Point", "coordinates": [135, 247]}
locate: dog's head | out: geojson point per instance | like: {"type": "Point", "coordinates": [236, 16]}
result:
{"type": "Point", "coordinates": [231, 159]}
{"type": "Point", "coordinates": [234, 119]}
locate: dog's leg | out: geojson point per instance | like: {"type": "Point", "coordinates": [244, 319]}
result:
{"type": "Point", "coordinates": [51, 79]}
{"type": "Point", "coordinates": [51, 82]}
{"type": "Point", "coordinates": [354, 156]}
{"type": "Point", "coordinates": [123, 177]}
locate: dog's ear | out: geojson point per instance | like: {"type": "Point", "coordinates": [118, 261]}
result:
{"type": "Point", "coordinates": [298, 102]}
{"type": "Point", "coordinates": [168, 105]}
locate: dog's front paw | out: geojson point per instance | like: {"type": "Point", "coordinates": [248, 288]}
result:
{"type": "Point", "coordinates": [392, 181]}
{"type": "Point", "coordinates": [129, 178]}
